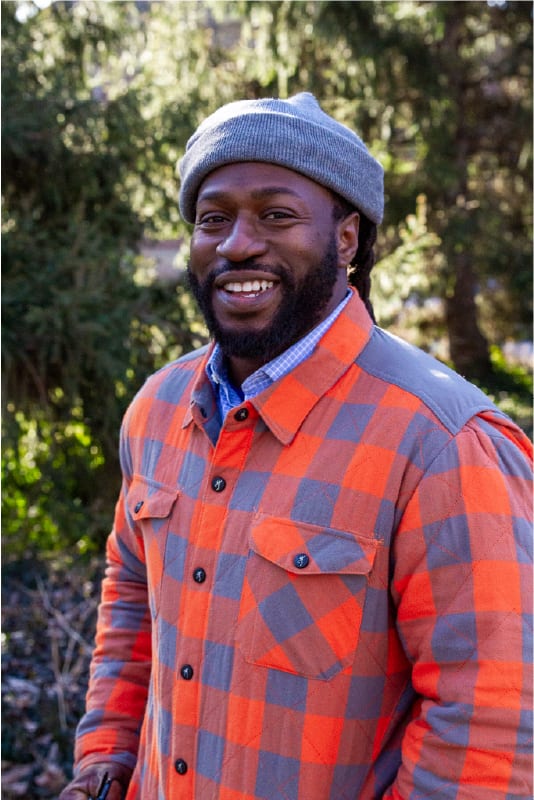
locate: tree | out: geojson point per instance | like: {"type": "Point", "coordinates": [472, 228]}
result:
{"type": "Point", "coordinates": [80, 329]}
{"type": "Point", "coordinates": [442, 92]}
{"type": "Point", "coordinates": [99, 100]}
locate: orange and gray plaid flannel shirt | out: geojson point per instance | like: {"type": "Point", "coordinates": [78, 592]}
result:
{"type": "Point", "coordinates": [326, 598]}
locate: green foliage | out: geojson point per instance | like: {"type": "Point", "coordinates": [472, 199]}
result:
{"type": "Point", "coordinates": [99, 100]}
{"type": "Point", "coordinates": [511, 388]}
{"type": "Point", "coordinates": [81, 328]}
{"type": "Point", "coordinates": [442, 92]}
{"type": "Point", "coordinates": [409, 271]}
{"type": "Point", "coordinates": [48, 469]}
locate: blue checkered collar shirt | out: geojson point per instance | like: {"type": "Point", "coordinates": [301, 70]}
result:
{"type": "Point", "coordinates": [229, 396]}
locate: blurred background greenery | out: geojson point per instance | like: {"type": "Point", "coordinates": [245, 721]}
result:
{"type": "Point", "coordinates": [98, 100]}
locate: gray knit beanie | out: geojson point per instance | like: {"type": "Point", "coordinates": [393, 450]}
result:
{"type": "Point", "coordinates": [294, 133]}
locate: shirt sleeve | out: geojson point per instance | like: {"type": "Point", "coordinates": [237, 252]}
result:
{"type": "Point", "coordinates": [121, 663]}
{"type": "Point", "coordinates": [462, 585]}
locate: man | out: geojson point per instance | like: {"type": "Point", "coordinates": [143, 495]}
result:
{"type": "Point", "coordinates": [318, 582]}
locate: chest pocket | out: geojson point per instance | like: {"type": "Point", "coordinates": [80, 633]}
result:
{"type": "Point", "coordinates": [150, 505]}
{"type": "Point", "coordinates": [303, 597]}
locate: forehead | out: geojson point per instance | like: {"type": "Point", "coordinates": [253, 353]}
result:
{"type": "Point", "coordinates": [255, 180]}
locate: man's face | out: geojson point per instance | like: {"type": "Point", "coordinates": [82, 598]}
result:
{"type": "Point", "coordinates": [267, 259]}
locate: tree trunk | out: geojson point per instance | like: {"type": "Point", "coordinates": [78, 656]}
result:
{"type": "Point", "coordinates": [468, 346]}
{"type": "Point", "coordinates": [469, 349]}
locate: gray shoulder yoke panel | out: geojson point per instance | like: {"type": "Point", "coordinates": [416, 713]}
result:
{"type": "Point", "coordinates": [451, 398]}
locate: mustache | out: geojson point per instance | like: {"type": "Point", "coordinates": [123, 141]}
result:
{"type": "Point", "coordinates": [248, 265]}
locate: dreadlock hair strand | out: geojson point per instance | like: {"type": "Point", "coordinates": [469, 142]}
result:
{"type": "Point", "coordinates": [359, 274]}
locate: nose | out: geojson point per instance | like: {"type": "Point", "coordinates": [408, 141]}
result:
{"type": "Point", "coordinates": [243, 241]}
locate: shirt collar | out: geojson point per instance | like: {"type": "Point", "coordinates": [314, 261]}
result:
{"type": "Point", "coordinates": [229, 396]}
{"type": "Point", "coordinates": [286, 403]}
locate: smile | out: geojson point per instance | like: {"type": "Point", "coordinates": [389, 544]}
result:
{"type": "Point", "coordinates": [248, 287]}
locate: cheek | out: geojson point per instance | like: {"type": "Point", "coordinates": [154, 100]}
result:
{"type": "Point", "coordinates": [200, 255]}
{"type": "Point", "coordinates": [307, 255]}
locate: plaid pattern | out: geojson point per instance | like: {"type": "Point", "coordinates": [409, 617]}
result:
{"type": "Point", "coordinates": [328, 598]}
{"type": "Point", "coordinates": [229, 396]}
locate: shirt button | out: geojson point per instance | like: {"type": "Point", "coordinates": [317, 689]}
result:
{"type": "Point", "coordinates": [199, 575]}
{"type": "Point", "coordinates": [186, 672]}
{"type": "Point", "coordinates": [301, 561]}
{"type": "Point", "coordinates": [139, 506]}
{"type": "Point", "coordinates": [180, 766]}
{"type": "Point", "coordinates": [218, 484]}
{"type": "Point", "coordinates": [241, 415]}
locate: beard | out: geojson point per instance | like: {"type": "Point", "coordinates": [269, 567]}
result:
{"type": "Point", "coordinates": [301, 307]}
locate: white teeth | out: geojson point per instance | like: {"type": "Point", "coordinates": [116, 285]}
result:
{"type": "Point", "coordinates": [249, 287]}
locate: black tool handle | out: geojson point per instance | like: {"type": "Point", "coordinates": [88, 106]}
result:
{"type": "Point", "coordinates": [103, 789]}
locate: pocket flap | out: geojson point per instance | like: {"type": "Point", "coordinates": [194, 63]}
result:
{"type": "Point", "coordinates": [305, 549]}
{"type": "Point", "coordinates": [149, 499]}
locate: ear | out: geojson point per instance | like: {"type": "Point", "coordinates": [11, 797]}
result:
{"type": "Point", "coordinates": [347, 238]}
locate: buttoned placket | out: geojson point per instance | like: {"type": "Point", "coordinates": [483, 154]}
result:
{"type": "Point", "coordinates": [202, 575]}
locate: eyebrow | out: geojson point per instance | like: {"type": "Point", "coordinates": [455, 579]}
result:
{"type": "Point", "coordinates": [215, 195]}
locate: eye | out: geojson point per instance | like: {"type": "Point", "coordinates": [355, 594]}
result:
{"type": "Point", "coordinates": [211, 218]}
{"type": "Point", "coordinates": [278, 214]}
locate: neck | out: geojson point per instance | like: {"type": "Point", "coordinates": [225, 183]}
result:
{"type": "Point", "coordinates": [239, 369]}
